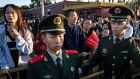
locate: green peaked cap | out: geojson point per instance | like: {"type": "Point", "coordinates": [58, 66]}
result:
{"type": "Point", "coordinates": [119, 13]}
{"type": "Point", "coordinates": [53, 24]}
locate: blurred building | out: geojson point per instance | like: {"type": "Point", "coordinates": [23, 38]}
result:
{"type": "Point", "coordinates": [56, 8]}
{"type": "Point", "coordinates": [100, 9]}
{"type": "Point", "coordinates": [82, 8]}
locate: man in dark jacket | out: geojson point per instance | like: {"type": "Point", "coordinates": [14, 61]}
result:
{"type": "Point", "coordinates": [74, 37]}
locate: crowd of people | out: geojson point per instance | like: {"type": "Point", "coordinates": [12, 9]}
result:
{"type": "Point", "coordinates": [64, 47]}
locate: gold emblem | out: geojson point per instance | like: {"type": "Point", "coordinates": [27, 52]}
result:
{"type": "Point", "coordinates": [57, 20]}
{"type": "Point", "coordinates": [117, 10]}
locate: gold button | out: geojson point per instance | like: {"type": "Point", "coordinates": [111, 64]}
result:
{"type": "Point", "coordinates": [113, 64]}
{"type": "Point", "coordinates": [113, 57]}
{"type": "Point", "coordinates": [112, 72]}
{"type": "Point", "coordinates": [124, 57]}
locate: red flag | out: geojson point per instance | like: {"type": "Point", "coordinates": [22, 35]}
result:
{"type": "Point", "coordinates": [92, 40]}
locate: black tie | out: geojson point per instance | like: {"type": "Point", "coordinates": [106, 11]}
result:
{"type": "Point", "coordinates": [59, 65]}
{"type": "Point", "coordinates": [117, 40]}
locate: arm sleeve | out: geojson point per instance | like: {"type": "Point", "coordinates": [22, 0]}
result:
{"type": "Point", "coordinates": [82, 41]}
{"type": "Point", "coordinates": [95, 60]}
{"type": "Point", "coordinates": [129, 31]}
{"type": "Point", "coordinates": [6, 60]}
{"type": "Point", "coordinates": [25, 45]}
{"type": "Point", "coordinates": [134, 51]}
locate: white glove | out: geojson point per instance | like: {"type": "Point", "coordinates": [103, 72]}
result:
{"type": "Point", "coordinates": [128, 32]}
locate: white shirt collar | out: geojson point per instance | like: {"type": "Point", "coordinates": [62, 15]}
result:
{"type": "Point", "coordinates": [54, 57]}
{"type": "Point", "coordinates": [114, 37]}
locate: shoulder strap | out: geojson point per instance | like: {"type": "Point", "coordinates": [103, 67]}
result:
{"type": "Point", "coordinates": [71, 51]}
{"type": "Point", "coordinates": [7, 33]}
{"type": "Point", "coordinates": [36, 59]}
{"type": "Point", "coordinates": [11, 38]}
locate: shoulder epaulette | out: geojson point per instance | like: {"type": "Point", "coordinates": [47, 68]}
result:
{"type": "Point", "coordinates": [71, 51]}
{"type": "Point", "coordinates": [33, 60]}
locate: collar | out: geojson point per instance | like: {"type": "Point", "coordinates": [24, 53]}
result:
{"type": "Point", "coordinates": [114, 37]}
{"type": "Point", "coordinates": [54, 57]}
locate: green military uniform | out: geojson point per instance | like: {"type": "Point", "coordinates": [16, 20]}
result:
{"type": "Point", "coordinates": [43, 66]}
{"type": "Point", "coordinates": [116, 58]}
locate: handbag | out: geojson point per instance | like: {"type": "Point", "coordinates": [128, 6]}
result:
{"type": "Point", "coordinates": [92, 40]}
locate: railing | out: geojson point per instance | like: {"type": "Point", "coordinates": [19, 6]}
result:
{"type": "Point", "coordinates": [93, 75]}
{"type": "Point", "coordinates": [102, 72]}
{"type": "Point", "coordinates": [3, 75]}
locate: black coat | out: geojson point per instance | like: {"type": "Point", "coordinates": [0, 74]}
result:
{"type": "Point", "coordinates": [116, 59]}
{"type": "Point", "coordinates": [46, 68]}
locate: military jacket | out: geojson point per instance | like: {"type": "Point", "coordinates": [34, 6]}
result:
{"type": "Point", "coordinates": [116, 59]}
{"type": "Point", "coordinates": [43, 67]}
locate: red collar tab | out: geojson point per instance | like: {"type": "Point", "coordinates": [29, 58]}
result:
{"type": "Point", "coordinates": [71, 51]}
{"type": "Point", "coordinates": [33, 60]}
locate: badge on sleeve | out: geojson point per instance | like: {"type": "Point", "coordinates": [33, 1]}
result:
{"type": "Point", "coordinates": [104, 51]}
{"type": "Point", "coordinates": [72, 69]}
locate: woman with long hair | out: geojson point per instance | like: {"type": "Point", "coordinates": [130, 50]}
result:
{"type": "Point", "coordinates": [19, 37]}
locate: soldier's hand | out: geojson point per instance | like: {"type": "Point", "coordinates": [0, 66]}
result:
{"type": "Point", "coordinates": [84, 54]}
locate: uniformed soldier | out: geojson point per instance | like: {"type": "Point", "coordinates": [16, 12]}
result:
{"type": "Point", "coordinates": [54, 63]}
{"type": "Point", "coordinates": [116, 51]}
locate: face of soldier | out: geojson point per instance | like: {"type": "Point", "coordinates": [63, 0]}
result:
{"type": "Point", "coordinates": [11, 15]}
{"type": "Point", "coordinates": [118, 27]}
{"type": "Point", "coordinates": [87, 25]}
{"type": "Point", "coordinates": [54, 42]}
{"type": "Point", "coordinates": [72, 19]}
